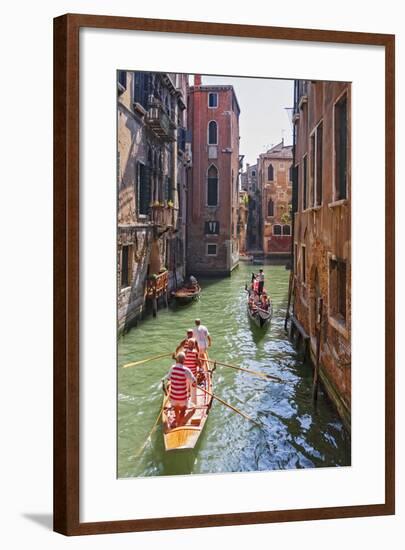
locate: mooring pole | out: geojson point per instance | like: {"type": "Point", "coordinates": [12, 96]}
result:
{"type": "Point", "coordinates": [287, 314]}
{"type": "Point", "coordinates": [315, 384]}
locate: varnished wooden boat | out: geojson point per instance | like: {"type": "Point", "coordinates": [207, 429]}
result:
{"type": "Point", "coordinates": [186, 436]}
{"type": "Point", "coordinates": [260, 317]}
{"type": "Point", "coordinates": [186, 294]}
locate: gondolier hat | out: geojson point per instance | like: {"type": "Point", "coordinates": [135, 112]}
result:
{"type": "Point", "coordinates": [189, 330]}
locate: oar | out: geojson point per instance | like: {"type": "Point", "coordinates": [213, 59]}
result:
{"type": "Point", "coordinates": [152, 430]}
{"type": "Point", "coordinates": [255, 373]}
{"type": "Point", "coordinates": [135, 363]}
{"type": "Point", "coordinates": [231, 407]}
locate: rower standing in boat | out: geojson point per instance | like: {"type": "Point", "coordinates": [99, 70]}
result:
{"type": "Point", "coordinates": [202, 336]}
{"type": "Point", "coordinates": [181, 380]}
{"type": "Point", "coordinates": [260, 278]}
{"type": "Point", "coordinates": [192, 362]}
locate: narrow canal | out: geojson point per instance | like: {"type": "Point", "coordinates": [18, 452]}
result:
{"type": "Point", "coordinates": [295, 433]}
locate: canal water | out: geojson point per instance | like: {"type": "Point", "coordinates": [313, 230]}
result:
{"type": "Point", "coordinates": [295, 433]}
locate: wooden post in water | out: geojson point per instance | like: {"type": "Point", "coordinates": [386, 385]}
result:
{"type": "Point", "coordinates": [154, 305]}
{"type": "Point", "coordinates": [290, 286]}
{"type": "Point", "coordinates": [315, 384]}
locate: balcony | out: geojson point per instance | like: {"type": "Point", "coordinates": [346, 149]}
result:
{"type": "Point", "coordinates": [157, 285]}
{"type": "Point", "coordinates": [160, 123]}
{"type": "Point", "coordinates": [162, 216]}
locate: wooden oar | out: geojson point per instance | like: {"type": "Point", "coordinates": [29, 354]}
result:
{"type": "Point", "coordinates": [152, 430]}
{"type": "Point", "coordinates": [230, 406]}
{"type": "Point", "coordinates": [135, 363]}
{"type": "Point", "coordinates": [253, 372]}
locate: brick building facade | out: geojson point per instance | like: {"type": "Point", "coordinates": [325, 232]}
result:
{"type": "Point", "coordinates": [153, 159]}
{"type": "Point", "coordinates": [275, 184]}
{"type": "Point", "coordinates": [249, 182]}
{"type": "Point", "coordinates": [322, 231]}
{"type": "Point", "coordinates": [213, 194]}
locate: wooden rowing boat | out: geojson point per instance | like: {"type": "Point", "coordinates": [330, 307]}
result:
{"type": "Point", "coordinates": [186, 436]}
{"type": "Point", "coordinates": [186, 294]}
{"type": "Point", "coordinates": [260, 317]}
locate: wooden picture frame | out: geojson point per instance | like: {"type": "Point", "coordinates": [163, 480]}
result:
{"type": "Point", "coordinates": [67, 284]}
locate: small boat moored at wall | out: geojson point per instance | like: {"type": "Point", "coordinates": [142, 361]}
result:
{"type": "Point", "coordinates": [187, 294]}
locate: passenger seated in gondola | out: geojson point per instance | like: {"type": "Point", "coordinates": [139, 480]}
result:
{"type": "Point", "coordinates": [264, 302]}
{"type": "Point", "coordinates": [183, 343]}
{"type": "Point", "coordinates": [253, 301]}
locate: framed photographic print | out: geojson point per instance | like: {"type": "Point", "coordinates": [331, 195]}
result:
{"type": "Point", "coordinates": [224, 293]}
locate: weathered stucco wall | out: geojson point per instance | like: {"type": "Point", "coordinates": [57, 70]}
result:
{"type": "Point", "coordinates": [322, 241]}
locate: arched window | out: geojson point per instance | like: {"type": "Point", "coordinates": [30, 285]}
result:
{"type": "Point", "coordinates": [270, 208]}
{"type": "Point", "coordinates": [286, 230]}
{"type": "Point", "coordinates": [270, 173]}
{"type": "Point", "coordinates": [276, 229]}
{"type": "Point", "coordinates": [212, 133]}
{"type": "Point", "coordinates": [212, 186]}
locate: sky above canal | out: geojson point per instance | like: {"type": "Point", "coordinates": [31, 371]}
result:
{"type": "Point", "coordinates": [264, 118]}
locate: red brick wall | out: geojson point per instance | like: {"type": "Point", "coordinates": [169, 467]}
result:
{"type": "Point", "coordinates": [227, 163]}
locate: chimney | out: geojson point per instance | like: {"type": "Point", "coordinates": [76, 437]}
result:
{"type": "Point", "coordinates": [197, 80]}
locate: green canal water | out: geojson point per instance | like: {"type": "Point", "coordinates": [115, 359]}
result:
{"type": "Point", "coordinates": [295, 434]}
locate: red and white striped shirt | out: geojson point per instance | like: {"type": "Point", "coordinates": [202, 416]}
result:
{"type": "Point", "coordinates": [191, 360]}
{"type": "Point", "coordinates": [180, 376]}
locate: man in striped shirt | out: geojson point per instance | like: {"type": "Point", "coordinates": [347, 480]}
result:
{"type": "Point", "coordinates": [181, 379]}
{"type": "Point", "coordinates": [183, 343]}
{"type": "Point", "coordinates": [192, 362]}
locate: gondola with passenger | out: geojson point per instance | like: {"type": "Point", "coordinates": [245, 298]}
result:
{"type": "Point", "coordinates": [259, 306]}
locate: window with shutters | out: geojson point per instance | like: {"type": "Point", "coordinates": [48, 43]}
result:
{"type": "Point", "coordinates": [212, 133]}
{"type": "Point", "coordinates": [167, 188]}
{"type": "Point", "coordinates": [286, 229]}
{"type": "Point", "coordinates": [316, 159]}
{"type": "Point", "coordinates": [337, 289]}
{"type": "Point", "coordinates": [126, 256]}
{"type": "Point", "coordinates": [276, 229]}
{"type": "Point", "coordinates": [211, 228]}
{"type": "Point", "coordinates": [340, 147]}
{"type": "Point", "coordinates": [319, 164]}
{"type": "Point", "coordinates": [212, 186]}
{"type": "Point", "coordinates": [304, 182]}
{"type": "Point", "coordinates": [312, 171]}
{"type": "Point", "coordinates": [211, 249]}
{"type": "Point", "coordinates": [141, 88]}
{"type": "Point", "coordinates": [143, 189]}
